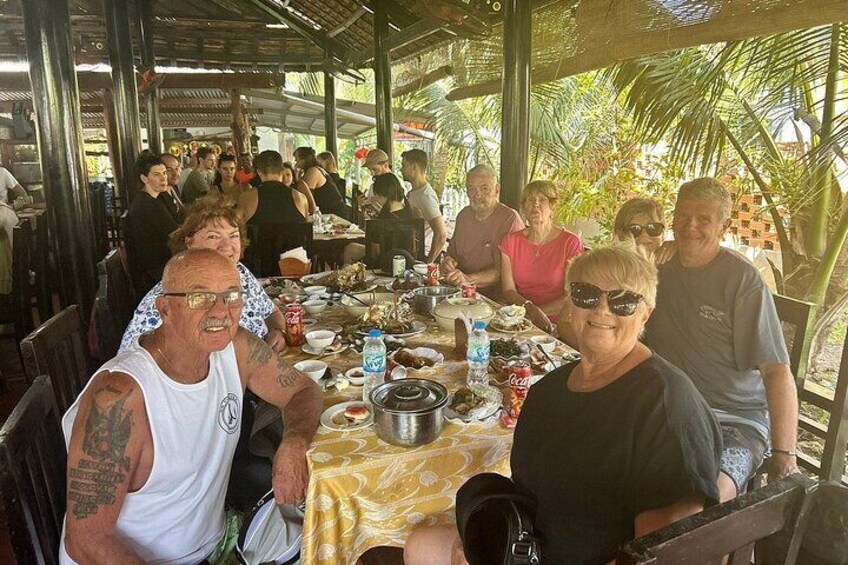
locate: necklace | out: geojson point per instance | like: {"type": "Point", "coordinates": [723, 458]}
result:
{"type": "Point", "coordinates": [168, 361]}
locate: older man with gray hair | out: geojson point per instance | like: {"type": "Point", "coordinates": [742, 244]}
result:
{"type": "Point", "coordinates": [716, 320]}
{"type": "Point", "coordinates": [473, 254]}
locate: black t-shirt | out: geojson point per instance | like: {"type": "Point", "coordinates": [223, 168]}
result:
{"type": "Point", "coordinates": [594, 461]}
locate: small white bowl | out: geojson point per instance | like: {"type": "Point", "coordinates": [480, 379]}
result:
{"type": "Point", "coordinates": [420, 268]}
{"type": "Point", "coordinates": [313, 306]}
{"type": "Point", "coordinates": [317, 289]}
{"type": "Point", "coordinates": [319, 339]}
{"type": "Point", "coordinates": [546, 342]}
{"type": "Point", "coordinates": [312, 369]}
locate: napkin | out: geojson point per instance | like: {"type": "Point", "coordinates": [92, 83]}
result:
{"type": "Point", "coordinates": [298, 253]}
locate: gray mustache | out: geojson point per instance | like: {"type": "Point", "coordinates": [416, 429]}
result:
{"type": "Point", "coordinates": [212, 322]}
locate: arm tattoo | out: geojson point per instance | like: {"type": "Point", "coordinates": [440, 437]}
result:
{"type": "Point", "coordinates": [95, 479]}
{"type": "Point", "coordinates": [288, 375]}
{"type": "Point", "coordinates": [260, 353]}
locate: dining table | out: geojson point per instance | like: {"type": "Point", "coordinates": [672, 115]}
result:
{"type": "Point", "coordinates": [331, 237]}
{"type": "Point", "coordinates": [364, 492]}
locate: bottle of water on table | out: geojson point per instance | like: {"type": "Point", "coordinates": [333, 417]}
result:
{"type": "Point", "coordinates": [478, 355]}
{"type": "Point", "coordinates": [318, 220]}
{"type": "Point", "coordinates": [373, 363]}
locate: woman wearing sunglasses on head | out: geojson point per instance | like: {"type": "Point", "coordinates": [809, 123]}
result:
{"type": "Point", "coordinates": [610, 447]}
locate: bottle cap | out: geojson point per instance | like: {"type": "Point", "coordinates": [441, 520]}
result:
{"type": "Point", "coordinates": [375, 333]}
{"type": "Point", "coordinates": [479, 325]}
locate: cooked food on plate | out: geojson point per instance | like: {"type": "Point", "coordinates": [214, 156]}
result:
{"type": "Point", "coordinates": [389, 317]}
{"type": "Point", "coordinates": [465, 400]}
{"type": "Point", "coordinates": [506, 348]}
{"type": "Point", "coordinates": [348, 278]}
{"type": "Point", "coordinates": [411, 361]}
{"type": "Point", "coordinates": [351, 415]}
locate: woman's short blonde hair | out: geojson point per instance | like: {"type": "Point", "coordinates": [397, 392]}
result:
{"type": "Point", "coordinates": [620, 265]}
{"type": "Point", "coordinates": [544, 188]}
{"type": "Point", "coordinates": [202, 213]}
{"type": "Point", "coordinates": [624, 217]}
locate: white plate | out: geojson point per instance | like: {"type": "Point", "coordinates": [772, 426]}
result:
{"type": "Point", "coordinates": [526, 325]}
{"type": "Point", "coordinates": [417, 328]}
{"type": "Point", "coordinates": [351, 375]}
{"type": "Point", "coordinates": [309, 350]}
{"type": "Point", "coordinates": [426, 352]}
{"type": "Point", "coordinates": [490, 408]}
{"type": "Point", "coordinates": [328, 418]}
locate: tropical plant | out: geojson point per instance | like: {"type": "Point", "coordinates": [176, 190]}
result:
{"type": "Point", "coordinates": [730, 101]}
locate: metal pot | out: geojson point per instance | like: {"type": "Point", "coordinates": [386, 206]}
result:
{"type": "Point", "coordinates": [409, 412]}
{"type": "Point", "coordinates": [425, 299]}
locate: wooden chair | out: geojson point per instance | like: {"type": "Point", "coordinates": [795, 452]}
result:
{"type": "Point", "coordinates": [799, 315]}
{"type": "Point", "coordinates": [774, 517]}
{"type": "Point", "coordinates": [268, 241]}
{"type": "Point", "coordinates": [113, 306]}
{"type": "Point", "coordinates": [16, 308]}
{"type": "Point", "coordinates": [384, 235]}
{"type": "Point", "coordinates": [58, 348]}
{"type": "Point", "coordinates": [32, 475]}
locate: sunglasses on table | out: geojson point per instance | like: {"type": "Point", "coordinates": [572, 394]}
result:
{"type": "Point", "coordinates": [202, 300]}
{"type": "Point", "coordinates": [653, 229]}
{"type": "Point", "coordinates": [620, 302]}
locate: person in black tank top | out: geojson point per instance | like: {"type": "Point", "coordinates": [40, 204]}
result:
{"type": "Point", "coordinates": [272, 202]}
{"type": "Point", "coordinates": [324, 190]}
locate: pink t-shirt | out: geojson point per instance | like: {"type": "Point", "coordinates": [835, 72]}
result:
{"type": "Point", "coordinates": [539, 270]}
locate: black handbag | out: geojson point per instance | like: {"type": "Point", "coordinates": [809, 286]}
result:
{"type": "Point", "coordinates": [496, 523]}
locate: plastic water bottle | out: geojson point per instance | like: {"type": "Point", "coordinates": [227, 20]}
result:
{"type": "Point", "coordinates": [373, 363]}
{"type": "Point", "coordinates": [478, 355]}
{"type": "Point", "coordinates": [318, 219]}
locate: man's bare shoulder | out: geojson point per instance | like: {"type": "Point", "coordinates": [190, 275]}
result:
{"type": "Point", "coordinates": [110, 387]}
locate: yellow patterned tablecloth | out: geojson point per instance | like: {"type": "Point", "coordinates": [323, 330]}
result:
{"type": "Point", "coordinates": [364, 492]}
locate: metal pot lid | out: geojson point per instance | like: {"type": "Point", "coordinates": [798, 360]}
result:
{"type": "Point", "coordinates": [440, 290]}
{"type": "Point", "coordinates": [410, 396]}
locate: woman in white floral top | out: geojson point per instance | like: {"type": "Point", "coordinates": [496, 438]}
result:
{"type": "Point", "coordinates": [214, 224]}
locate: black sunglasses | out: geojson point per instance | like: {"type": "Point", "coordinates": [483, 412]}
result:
{"type": "Point", "coordinates": [653, 229]}
{"type": "Point", "coordinates": [620, 302]}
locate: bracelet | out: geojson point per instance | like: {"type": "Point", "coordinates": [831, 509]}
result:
{"type": "Point", "coordinates": [792, 453]}
{"type": "Point", "coordinates": [525, 303]}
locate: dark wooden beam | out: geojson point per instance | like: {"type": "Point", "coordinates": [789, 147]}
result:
{"type": "Point", "coordinates": [415, 32]}
{"type": "Point", "coordinates": [98, 81]}
{"type": "Point", "coordinates": [422, 81]}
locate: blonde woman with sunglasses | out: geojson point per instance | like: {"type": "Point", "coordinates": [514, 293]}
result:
{"type": "Point", "coordinates": [610, 447]}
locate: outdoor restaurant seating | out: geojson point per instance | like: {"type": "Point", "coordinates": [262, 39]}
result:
{"type": "Point", "coordinates": [58, 348]}
{"type": "Point", "coordinates": [268, 241]}
{"type": "Point", "coordinates": [393, 234]}
{"type": "Point", "coordinates": [113, 307]}
{"type": "Point", "coordinates": [32, 475]}
{"type": "Point", "coordinates": [16, 308]}
{"type": "Point", "coordinates": [773, 517]}
{"type": "Point", "coordinates": [799, 315]}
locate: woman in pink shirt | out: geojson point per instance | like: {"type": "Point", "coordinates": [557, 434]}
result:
{"type": "Point", "coordinates": [534, 261]}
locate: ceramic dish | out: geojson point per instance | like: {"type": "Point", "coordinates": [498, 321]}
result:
{"type": "Point", "coordinates": [356, 376]}
{"type": "Point", "coordinates": [337, 347]}
{"type": "Point", "coordinates": [430, 354]}
{"type": "Point", "coordinates": [487, 409]}
{"type": "Point", "coordinates": [524, 326]}
{"type": "Point", "coordinates": [334, 419]}
{"type": "Point", "coordinates": [417, 328]}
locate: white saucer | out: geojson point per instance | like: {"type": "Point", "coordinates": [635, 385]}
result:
{"type": "Point", "coordinates": [308, 349]}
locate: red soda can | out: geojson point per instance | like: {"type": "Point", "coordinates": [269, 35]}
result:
{"type": "Point", "coordinates": [432, 274]}
{"type": "Point", "coordinates": [469, 290]}
{"type": "Point", "coordinates": [294, 324]}
{"type": "Point", "coordinates": [519, 373]}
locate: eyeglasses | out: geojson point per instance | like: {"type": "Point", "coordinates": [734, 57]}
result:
{"type": "Point", "coordinates": [620, 302]}
{"type": "Point", "coordinates": [653, 229]}
{"type": "Point", "coordinates": [201, 300]}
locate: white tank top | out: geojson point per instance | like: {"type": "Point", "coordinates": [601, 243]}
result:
{"type": "Point", "coordinates": [178, 515]}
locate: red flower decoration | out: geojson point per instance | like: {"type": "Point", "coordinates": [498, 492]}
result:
{"type": "Point", "coordinates": [361, 153]}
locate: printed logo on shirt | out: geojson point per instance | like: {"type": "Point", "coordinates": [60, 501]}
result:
{"type": "Point", "coordinates": [228, 413]}
{"type": "Point", "coordinates": [711, 314]}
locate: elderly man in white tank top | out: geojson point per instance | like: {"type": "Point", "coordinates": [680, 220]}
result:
{"type": "Point", "coordinates": [151, 438]}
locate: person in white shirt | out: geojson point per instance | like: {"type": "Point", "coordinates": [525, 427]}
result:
{"type": "Point", "coordinates": [9, 183]}
{"type": "Point", "coordinates": [423, 200]}
{"type": "Point", "coordinates": [178, 389]}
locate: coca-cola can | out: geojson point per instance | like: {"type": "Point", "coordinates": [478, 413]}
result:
{"type": "Point", "coordinates": [432, 274]}
{"type": "Point", "coordinates": [294, 324]}
{"type": "Point", "coordinates": [469, 290]}
{"type": "Point", "coordinates": [518, 373]}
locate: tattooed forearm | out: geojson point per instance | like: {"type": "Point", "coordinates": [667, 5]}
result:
{"type": "Point", "coordinates": [260, 353]}
{"type": "Point", "coordinates": [95, 478]}
{"type": "Point", "coordinates": [288, 374]}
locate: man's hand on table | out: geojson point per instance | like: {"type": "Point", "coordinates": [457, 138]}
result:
{"type": "Point", "coordinates": [276, 340]}
{"type": "Point", "coordinates": [290, 475]}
